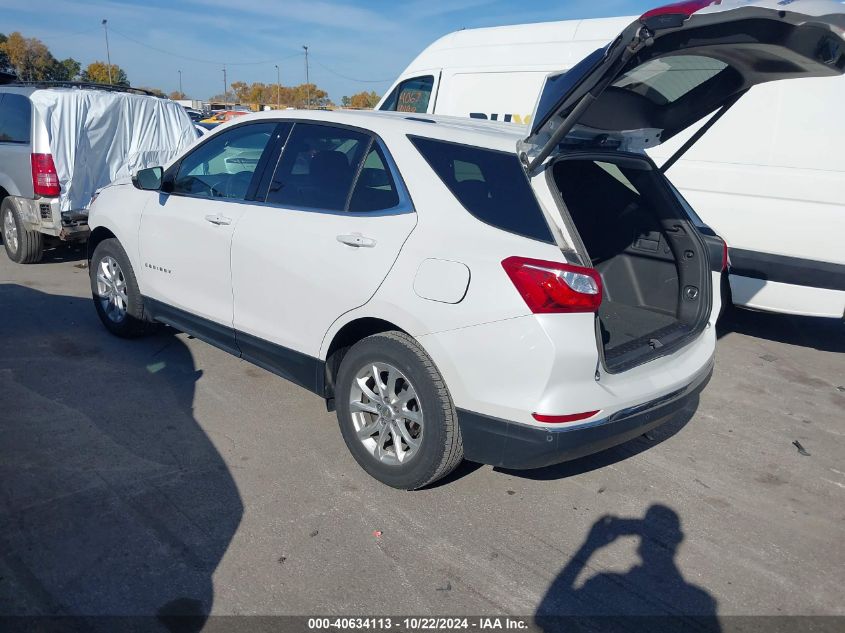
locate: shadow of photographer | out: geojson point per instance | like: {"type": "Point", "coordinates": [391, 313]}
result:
{"type": "Point", "coordinates": [653, 595]}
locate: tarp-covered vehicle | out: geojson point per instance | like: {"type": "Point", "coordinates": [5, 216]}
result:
{"type": "Point", "coordinates": [60, 143]}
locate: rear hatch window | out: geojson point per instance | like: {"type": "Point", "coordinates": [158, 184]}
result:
{"type": "Point", "coordinates": [491, 185]}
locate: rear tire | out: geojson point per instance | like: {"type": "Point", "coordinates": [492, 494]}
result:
{"type": "Point", "coordinates": [117, 297]}
{"type": "Point", "coordinates": [403, 430]}
{"type": "Point", "coordinates": [22, 245]}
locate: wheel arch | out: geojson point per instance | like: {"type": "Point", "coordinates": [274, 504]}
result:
{"type": "Point", "coordinates": [98, 235]}
{"type": "Point", "coordinates": [343, 339]}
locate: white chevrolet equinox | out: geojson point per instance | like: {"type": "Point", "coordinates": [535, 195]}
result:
{"type": "Point", "coordinates": [460, 289]}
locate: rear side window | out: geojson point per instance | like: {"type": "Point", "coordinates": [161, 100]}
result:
{"type": "Point", "coordinates": [375, 189]}
{"type": "Point", "coordinates": [491, 185]}
{"type": "Point", "coordinates": [15, 118]}
{"type": "Point", "coordinates": [318, 167]}
{"type": "Point", "coordinates": [412, 95]}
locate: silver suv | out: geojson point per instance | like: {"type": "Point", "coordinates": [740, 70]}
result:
{"type": "Point", "coordinates": [60, 143]}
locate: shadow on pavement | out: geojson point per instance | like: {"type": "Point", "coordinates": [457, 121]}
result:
{"type": "Point", "coordinates": [827, 335]}
{"type": "Point", "coordinates": [653, 595]}
{"type": "Point", "coordinates": [113, 500]}
{"type": "Point", "coordinates": [56, 252]}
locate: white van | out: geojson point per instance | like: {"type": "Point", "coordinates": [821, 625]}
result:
{"type": "Point", "coordinates": [786, 173]}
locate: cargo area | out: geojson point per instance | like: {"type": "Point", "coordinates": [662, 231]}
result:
{"type": "Point", "coordinates": [653, 267]}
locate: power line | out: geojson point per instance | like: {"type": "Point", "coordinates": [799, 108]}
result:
{"type": "Point", "coordinates": [197, 59]}
{"type": "Point", "coordinates": [362, 81]}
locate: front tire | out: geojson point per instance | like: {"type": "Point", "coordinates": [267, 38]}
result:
{"type": "Point", "coordinates": [22, 245]}
{"type": "Point", "coordinates": [395, 412]}
{"type": "Point", "coordinates": [114, 288]}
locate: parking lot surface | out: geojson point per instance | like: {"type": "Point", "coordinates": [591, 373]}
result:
{"type": "Point", "coordinates": [163, 475]}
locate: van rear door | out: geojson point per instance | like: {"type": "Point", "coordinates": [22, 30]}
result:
{"type": "Point", "coordinates": [676, 65]}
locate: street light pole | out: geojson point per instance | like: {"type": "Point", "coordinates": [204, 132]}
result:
{"type": "Point", "coordinates": [108, 54]}
{"type": "Point", "coordinates": [181, 94]}
{"type": "Point", "coordinates": [278, 88]}
{"type": "Point", "coordinates": [307, 80]}
{"type": "Point", "coordinates": [225, 84]}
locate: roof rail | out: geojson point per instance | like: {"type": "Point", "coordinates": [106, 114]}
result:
{"type": "Point", "coordinates": [4, 80]}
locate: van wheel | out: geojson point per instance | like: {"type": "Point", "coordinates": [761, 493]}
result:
{"type": "Point", "coordinates": [22, 245]}
{"type": "Point", "coordinates": [114, 287]}
{"type": "Point", "coordinates": [395, 412]}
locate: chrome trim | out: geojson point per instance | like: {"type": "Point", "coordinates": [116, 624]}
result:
{"type": "Point", "coordinates": [406, 204]}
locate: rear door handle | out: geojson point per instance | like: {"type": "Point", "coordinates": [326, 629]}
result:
{"type": "Point", "coordinates": [357, 240]}
{"type": "Point", "coordinates": [218, 219]}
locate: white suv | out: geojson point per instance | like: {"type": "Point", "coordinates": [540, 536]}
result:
{"type": "Point", "coordinates": [449, 296]}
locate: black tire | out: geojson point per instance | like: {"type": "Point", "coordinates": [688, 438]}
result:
{"type": "Point", "coordinates": [30, 244]}
{"type": "Point", "coordinates": [441, 448]}
{"type": "Point", "coordinates": [134, 322]}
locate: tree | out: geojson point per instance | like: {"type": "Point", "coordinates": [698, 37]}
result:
{"type": "Point", "coordinates": [98, 73]}
{"type": "Point", "coordinates": [30, 58]}
{"type": "Point", "coordinates": [175, 95]}
{"type": "Point", "coordinates": [155, 91]}
{"type": "Point", "coordinates": [361, 101]}
{"type": "Point", "coordinates": [67, 69]}
{"type": "Point", "coordinates": [5, 65]}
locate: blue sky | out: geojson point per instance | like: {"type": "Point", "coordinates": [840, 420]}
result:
{"type": "Point", "coordinates": [353, 46]}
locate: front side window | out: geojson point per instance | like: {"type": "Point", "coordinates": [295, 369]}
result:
{"type": "Point", "coordinates": [490, 184]}
{"type": "Point", "coordinates": [318, 167]}
{"type": "Point", "coordinates": [412, 95]}
{"type": "Point", "coordinates": [223, 166]}
{"type": "Point", "coordinates": [15, 118]}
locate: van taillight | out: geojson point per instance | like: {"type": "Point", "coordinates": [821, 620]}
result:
{"type": "Point", "coordinates": [549, 287]}
{"type": "Point", "coordinates": [45, 180]}
{"type": "Point", "coordinates": [725, 257]}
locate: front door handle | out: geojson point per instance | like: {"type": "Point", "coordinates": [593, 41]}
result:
{"type": "Point", "coordinates": [218, 219]}
{"type": "Point", "coordinates": [357, 240]}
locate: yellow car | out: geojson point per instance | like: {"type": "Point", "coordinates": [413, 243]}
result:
{"type": "Point", "coordinates": [222, 117]}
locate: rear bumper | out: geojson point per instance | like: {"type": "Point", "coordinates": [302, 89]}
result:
{"type": "Point", "coordinates": [44, 215]}
{"type": "Point", "coordinates": [498, 442]}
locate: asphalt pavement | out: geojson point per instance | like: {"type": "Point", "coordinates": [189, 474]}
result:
{"type": "Point", "coordinates": [162, 475]}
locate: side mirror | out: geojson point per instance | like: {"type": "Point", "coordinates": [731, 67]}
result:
{"type": "Point", "coordinates": [148, 179]}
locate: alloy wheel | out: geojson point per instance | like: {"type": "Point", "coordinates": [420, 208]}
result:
{"type": "Point", "coordinates": [10, 231]}
{"type": "Point", "coordinates": [111, 289]}
{"type": "Point", "coordinates": [386, 413]}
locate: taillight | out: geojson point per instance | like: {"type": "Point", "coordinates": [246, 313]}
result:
{"type": "Point", "coordinates": [726, 260]}
{"type": "Point", "coordinates": [549, 287]}
{"type": "Point", "coordinates": [685, 9]}
{"type": "Point", "coordinates": [45, 180]}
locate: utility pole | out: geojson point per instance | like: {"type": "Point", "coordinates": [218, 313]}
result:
{"type": "Point", "coordinates": [182, 94]}
{"type": "Point", "coordinates": [307, 80]}
{"type": "Point", "coordinates": [108, 54]}
{"type": "Point", "coordinates": [278, 88]}
{"type": "Point", "coordinates": [225, 84]}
